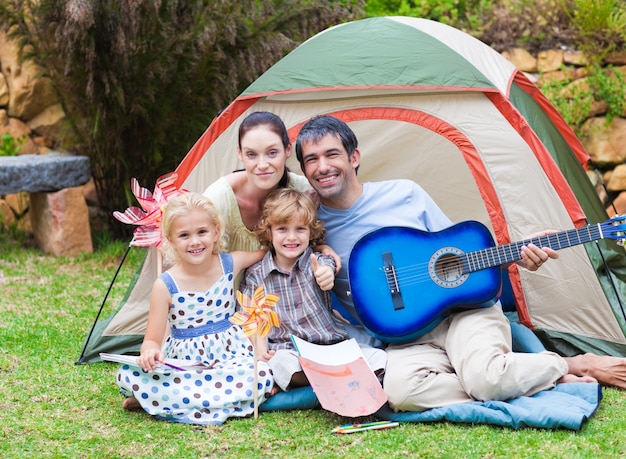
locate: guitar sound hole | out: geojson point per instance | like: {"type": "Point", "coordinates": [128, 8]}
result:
{"type": "Point", "coordinates": [449, 268]}
{"type": "Point", "coordinates": [446, 268]}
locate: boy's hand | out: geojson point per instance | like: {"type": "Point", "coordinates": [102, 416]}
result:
{"type": "Point", "coordinates": [324, 275]}
{"type": "Point", "coordinates": [329, 252]}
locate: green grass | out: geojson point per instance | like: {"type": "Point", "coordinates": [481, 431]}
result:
{"type": "Point", "coordinates": [50, 407]}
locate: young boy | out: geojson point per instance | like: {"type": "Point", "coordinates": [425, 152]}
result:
{"type": "Point", "coordinates": [302, 279]}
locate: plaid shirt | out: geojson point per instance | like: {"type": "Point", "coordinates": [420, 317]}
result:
{"type": "Point", "coordinates": [304, 309]}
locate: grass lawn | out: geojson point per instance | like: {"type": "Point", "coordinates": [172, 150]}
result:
{"type": "Point", "coordinates": [50, 407]}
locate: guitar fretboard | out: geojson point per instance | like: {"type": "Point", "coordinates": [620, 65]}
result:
{"type": "Point", "coordinates": [509, 253]}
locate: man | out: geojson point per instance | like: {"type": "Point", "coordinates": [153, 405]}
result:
{"type": "Point", "coordinates": [468, 355]}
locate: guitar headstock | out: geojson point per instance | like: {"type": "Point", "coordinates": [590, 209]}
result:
{"type": "Point", "coordinates": [615, 228]}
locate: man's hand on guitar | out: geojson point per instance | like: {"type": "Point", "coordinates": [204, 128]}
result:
{"type": "Point", "coordinates": [533, 257]}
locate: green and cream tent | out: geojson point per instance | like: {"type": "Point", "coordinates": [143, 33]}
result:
{"type": "Point", "coordinates": [432, 104]}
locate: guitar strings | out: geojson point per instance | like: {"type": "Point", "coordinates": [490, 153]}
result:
{"type": "Point", "coordinates": [419, 272]}
{"type": "Point", "coordinates": [456, 263]}
{"type": "Point", "coordinates": [461, 263]}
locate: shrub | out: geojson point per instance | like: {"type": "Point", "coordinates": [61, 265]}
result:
{"type": "Point", "coordinates": [9, 146]}
{"type": "Point", "coordinates": [466, 15]}
{"type": "Point", "coordinates": [600, 26]}
{"type": "Point", "coordinates": [140, 80]}
{"type": "Point", "coordinates": [574, 100]}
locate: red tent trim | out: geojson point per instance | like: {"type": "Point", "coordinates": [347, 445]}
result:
{"type": "Point", "coordinates": [570, 137]}
{"type": "Point", "coordinates": [416, 88]}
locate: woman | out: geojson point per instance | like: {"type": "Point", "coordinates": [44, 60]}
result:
{"type": "Point", "coordinates": [263, 148]}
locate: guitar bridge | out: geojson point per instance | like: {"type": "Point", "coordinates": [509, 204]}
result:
{"type": "Point", "coordinates": [392, 281]}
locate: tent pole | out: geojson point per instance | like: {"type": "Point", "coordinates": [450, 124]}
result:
{"type": "Point", "coordinates": [106, 296]}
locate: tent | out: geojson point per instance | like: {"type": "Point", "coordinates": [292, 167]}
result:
{"type": "Point", "coordinates": [432, 104]}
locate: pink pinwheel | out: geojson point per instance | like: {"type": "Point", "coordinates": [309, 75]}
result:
{"type": "Point", "coordinates": [257, 315]}
{"type": "Point", "coordinates": [148, 218]}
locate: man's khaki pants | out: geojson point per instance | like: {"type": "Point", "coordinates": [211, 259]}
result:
{"type": "Point", "coordinates": [466, 357]}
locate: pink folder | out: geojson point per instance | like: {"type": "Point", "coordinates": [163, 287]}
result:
{"type": "Point", "coordinates": [348, 388]}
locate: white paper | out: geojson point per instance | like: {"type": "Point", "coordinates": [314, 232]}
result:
{"type": "Point", "coordinates": [170, 364]}
{"type": "Point", "coordinates": [330, 354]}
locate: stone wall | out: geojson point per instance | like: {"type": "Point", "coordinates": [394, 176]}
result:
{"type": "Point", "coordinates": [31, 113]}
{"type": "Point", "coordinates": [28, 106]}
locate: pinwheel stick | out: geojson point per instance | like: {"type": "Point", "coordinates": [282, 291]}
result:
{"type": "Point", "coordinates": [159, 268]}
{"type": "Point", "coordinates": [256, 317]}
{"type": "Point", "coordinates": [159, 255]}
{"type": "Point", "coordinates": [255, 389]}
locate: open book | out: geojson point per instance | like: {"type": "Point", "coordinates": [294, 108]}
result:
{"type": "Point", "coordinates": [167, 366]}
{"type": "Point", "coordinates": [340, 377]}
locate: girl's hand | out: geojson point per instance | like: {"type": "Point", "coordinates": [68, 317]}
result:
{"type": "Point", "coordinates": [266, 356]}
{"type": "Point", "coordinates": [324, 275]}
{"type": "Point", "coordinates": [260, 346]}
{"type": "Point", "coordinates": [149, 359]}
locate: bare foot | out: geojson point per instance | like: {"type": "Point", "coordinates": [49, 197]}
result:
{"type": "Point", "coordinates": [573, 378]}
{"type": "Point", "coordinates": [131, 404]}
{"type": "Point", "coordinates": [276, 389]}
{"type": "Point", "coordinates": [607, 370]}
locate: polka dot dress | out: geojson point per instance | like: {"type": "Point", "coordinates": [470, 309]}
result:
{"type": "Point", "coordinates": [201, 332]}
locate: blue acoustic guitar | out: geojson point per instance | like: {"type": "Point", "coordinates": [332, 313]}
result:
{"type": "Point", "coordinates": [404, 282]}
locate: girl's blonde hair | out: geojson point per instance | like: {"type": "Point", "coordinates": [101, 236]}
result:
{"type": "Point", "coordinates": [181, 205]}
{"type": "Point", "coordinates": [285, 206]}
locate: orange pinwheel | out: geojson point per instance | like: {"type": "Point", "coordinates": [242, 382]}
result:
{"type": "Point", "coordinates": [257, 315]}
{"type": "Point", "coordinates": [148, 218]}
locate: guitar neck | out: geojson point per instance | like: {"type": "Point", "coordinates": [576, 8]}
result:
{"type": "Point", "coordinates": [509, 253]}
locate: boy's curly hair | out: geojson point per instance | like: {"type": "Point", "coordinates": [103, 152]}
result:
{"type": "Point", "coordinates": [286, 205]}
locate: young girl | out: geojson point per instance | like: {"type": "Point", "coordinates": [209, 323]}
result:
{"type": "Point", "coordinates": [302, 279]}
{"type": "Point", "coordinates": [196, 297]}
